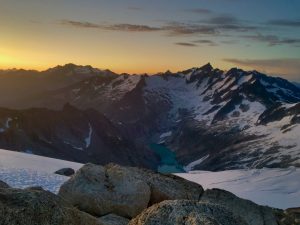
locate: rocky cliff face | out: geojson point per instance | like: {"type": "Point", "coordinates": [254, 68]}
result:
{"type": "Point", "coordinates": [71, 134]}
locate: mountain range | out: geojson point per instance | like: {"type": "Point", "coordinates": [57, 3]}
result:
{"type": "Point", "coordinates": [201, 118]}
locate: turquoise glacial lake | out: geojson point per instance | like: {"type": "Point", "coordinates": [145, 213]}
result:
{"type": "Point", "coordinates": [168, 161]}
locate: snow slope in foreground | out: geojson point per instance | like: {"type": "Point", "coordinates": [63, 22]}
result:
{"type": "Point", "coordinates": [278, 188]}
{"type": "Point", "coordinates": [23, 170]}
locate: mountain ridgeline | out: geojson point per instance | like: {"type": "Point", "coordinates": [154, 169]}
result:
{"type": "Point", "coordinates": [208, 118]}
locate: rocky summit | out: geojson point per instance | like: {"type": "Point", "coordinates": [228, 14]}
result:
{"type": "Point", "coordinates": [187, 212]}
{"type": "Point", "coordinates": [117, 195]}
{"type": "Point", "coordinates": [125, 191]}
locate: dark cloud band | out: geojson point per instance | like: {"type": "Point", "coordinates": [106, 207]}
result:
{"type": "Point", "coordinates": [286, 23]}
{"type": "Point", "coordinates": [272, 40]}
{"type": "Point", "coordinates": [186, 44]}
{"type": "Point", "coordinates": [113, 27]}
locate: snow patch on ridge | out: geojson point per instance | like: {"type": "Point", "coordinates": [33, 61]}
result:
{"type": "Point", "coordinates": [166, 134]}
{"type": "Point", "coordinates": [6, 125]}
{"type": "Point", "coordinates": [73, 146]}
{"type": "Point", "coordinates": [88, 139]}
{"type": "Point", "coordinates": [191, 165]}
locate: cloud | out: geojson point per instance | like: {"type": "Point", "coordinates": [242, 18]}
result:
{"type": "Point", "coordinates": [112, 27]}
{"type": "Point", "coordinates": [206, 42]}
{"type": "Point", "coordinates": [214, 26]}
{"type": "Point", "coordinates": [173, 29]}
{"type": "Point", "coordinates": [222, 25]}
{"type": "Point", "coordinates": [272, 40]}
{"type": "Point", "coordinates": [79, 24]}
{"type": "Point", "coordinates": [229, 23]}
{"type": "Point", "coordinates": [131, 27]}
{"type": "Point", "coordinates": [286, 23]}
{"type": "Point", "coordinates": [230, 42]}
{"type": "Point", "coordinates": [290, 67]}
{"type": "Point", "coordinates": [176, 29]}
{"type": "Point", "coordinates": [199, 11]}
{"type": "Point", "coordinates": [224, 19]}
{"type": "Point", "coordinates": [186, 44]}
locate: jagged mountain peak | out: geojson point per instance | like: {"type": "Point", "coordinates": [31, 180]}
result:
{"type": "Point", "coordinates": [207, 67]}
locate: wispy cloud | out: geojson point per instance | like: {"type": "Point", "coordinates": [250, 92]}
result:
{"type": "Point", "coordinates": [186, 44]}
{"type": "Point", "coordinates": [223, 19]}
{"type": "Point", "coordinates": [131, 27]}
{"type": "Point", "coordinates": [112, 27]}
{"type": "Point", "coordinates": [199, 11]}
{"type": "Point", "coordinates": [230, 42]}
{"type": "Point", "coordinates": [216, 25]}
{"type": "Point", "coordinates": [213, 26]}
{"type": "Point", "coordinates": [272, 40]}
{"type": "Point", "coordinates": [229, 23]}
{"type": "Point", "coordinates": [79, 24]}
{"type": "Point", "coordinates": [176, 29]}
{"type": "Point", "coordinates": [286, 23]}
{"type": "Point", "coordinates": [285, 66]}
{"type": "Point", "coordinates": [206, 42]}
{"type": "Point", "coordinates": [172, 29]}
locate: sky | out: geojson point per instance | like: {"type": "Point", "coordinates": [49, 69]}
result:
{"type": "Point", "coordinates": [149, 36]}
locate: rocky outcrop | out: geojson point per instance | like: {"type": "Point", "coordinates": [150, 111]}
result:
{"type": "Point", "coordinates": [112, 219]}
{"type": "Point", "coordinates": [39, 207]}
{"type": "Point", "coordinates": [163, 187]}
{"type": "Point", "coordinates": [124, 191]}
{"type": "Point", "coordinates": [186, 212]}
{"type": "Point", "coordinates": [252, 213]}
{"type": "Point", "coordinates": [115, 194]}
{"type": "Point", "coordinates": [65, 172]}
{"type": "Point", "coordinates": [288, 217]}
{"type": "Point", "coordinates": [100, 191]}
{"type": "Point", "coordinates": [3, 184]}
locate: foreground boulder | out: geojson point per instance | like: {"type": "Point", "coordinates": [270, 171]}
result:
{"type": "Point", "coordinates": [65, 172]}
{"type": "Point", "coordinates": [100, 191]}
{"type": "Point", "coordinates": [178, 212]}
{"type": "Point", "coordinates": [294, 213]}
{"type": "Point", "coordinates": [38, 207]}
{"type": "Point", "coordinates": [288, 217]}
{"type": "Point", "coordinates": [252, 213]}
{"type": "Point", "coordinates": [163, 187]}
{"type": "Point", "coordinates": [3, 185]}
{"type": "Point", "coordinates": [124, 191]}
{"type": "Point", "coordinates": [112, 219]}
